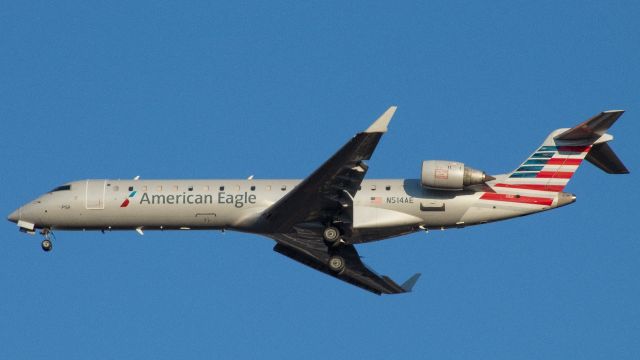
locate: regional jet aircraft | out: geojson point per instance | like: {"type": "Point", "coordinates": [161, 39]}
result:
{"type": "Point", "coordinates": [319, 220]}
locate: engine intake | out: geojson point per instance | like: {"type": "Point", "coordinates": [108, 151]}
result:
{"type": "Point", "coordinates": [450, 175]}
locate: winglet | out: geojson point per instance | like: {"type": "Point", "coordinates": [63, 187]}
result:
{"type": "Point", "coordinates": [408, 285]}
{"type": "Point", "coordinates": [380, 125]}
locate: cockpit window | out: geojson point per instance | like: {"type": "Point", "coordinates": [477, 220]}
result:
{"type": "Point", "coordinates": [62, 188]}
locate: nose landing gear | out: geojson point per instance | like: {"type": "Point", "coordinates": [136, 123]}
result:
{"type": "Point", "coordinates": [46, 244]}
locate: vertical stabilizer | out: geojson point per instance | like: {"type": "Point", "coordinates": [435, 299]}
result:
{"type": "Point", "coordinates": [553, 164]}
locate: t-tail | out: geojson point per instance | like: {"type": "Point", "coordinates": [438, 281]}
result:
{"type": "Point", "coordinates": [542, 177]}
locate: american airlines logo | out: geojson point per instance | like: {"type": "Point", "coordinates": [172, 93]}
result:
{"type": "Point", "coordinates": [125, 203]}
{"type": "Point", "coordinates": [237, 200]}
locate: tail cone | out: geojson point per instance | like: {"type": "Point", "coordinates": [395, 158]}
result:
{"type": "Point", "coordinates": [565, 199]}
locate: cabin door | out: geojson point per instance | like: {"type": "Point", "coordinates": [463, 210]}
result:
{"type": "Point", "coordinates": [95, 194]}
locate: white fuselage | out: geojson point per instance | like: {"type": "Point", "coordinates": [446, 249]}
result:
{"type": "Point", "coordinates": [382, 208]}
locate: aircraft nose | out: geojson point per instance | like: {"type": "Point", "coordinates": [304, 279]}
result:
{"type": "Point", "coordinates": [14, 216]}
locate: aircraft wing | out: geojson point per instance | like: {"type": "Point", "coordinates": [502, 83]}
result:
{"type": "Point", "coordinates": [323, 194]}
{"type": "Point", "coordinates": [309, 249]}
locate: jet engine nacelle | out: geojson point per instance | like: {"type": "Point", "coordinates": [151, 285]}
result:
{"type": "Point", "coordinates": [450, 175]}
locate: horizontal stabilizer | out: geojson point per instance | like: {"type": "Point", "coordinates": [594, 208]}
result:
{"type": "Point", "coordinates": [592, 128]}
{"type": "Point", "coordinates": [602, 156]}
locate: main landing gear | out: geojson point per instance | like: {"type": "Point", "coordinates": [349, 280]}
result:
{"type": "Point", "coordinates": [333, 238]}
{"type": "Point", "coordinates": [331, 235]}
{"type": "Point", "coordinates": [336, 263]}
{"type": "Point", "coordinates": [46, 244]}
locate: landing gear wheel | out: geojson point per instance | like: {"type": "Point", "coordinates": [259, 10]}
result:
{"type": "Point", "coordinates": [47, 245]}
{"type": "Point", "coordinates": [336, 263]}
{"type": "Point", "coordinates": [331, 234]}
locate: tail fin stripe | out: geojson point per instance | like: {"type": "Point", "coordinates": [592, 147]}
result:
{"type": "Point", "coordinates": [538, 187]}
{"type": "Point", "coordinates": [576, 149]}
{"type": "Point", "coordinates": [542, 155]}
{"type": "Point", "coordinates": [530, 168]}
{"type": "Point", "coordinates": [564, 161]}
{"type": "Point", "coordinates": [517, 199]}
{"type": "Point", "coordinates": [535, 161]}
{"type": "Point", "coordinates": [560, 168]}
{"type": "Point", "coordinates": [555, 174]}
{"type": "Point", "coordinates": [540, 181]}
{"type": "Point", "coordinates": [523, 175]}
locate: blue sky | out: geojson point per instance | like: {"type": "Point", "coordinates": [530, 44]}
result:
{"type": "Point", "coordinates": [225, 90]}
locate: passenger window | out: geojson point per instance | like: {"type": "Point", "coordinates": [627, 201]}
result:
{"type": "Point", "coordinates": [283, 188]}
{"type": "Point", "coordinates": [388, 188]}
{"type": "Point", "coordinates": [130, 188]}
{"type": "Point", "coordinates": [190, 188]}
{"type": "Point", "coordinates": [373, 188]}
{"type": "Point", "coordinates": [253, 188]}
{"type": "Point", "coordinates": [221, 188]}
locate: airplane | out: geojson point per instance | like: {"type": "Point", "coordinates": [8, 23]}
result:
{"type": "Point", "coordinates": [319, 220]}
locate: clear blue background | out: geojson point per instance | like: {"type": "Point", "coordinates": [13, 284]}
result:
{"type": "Point", "coordinates": [224, 90]}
